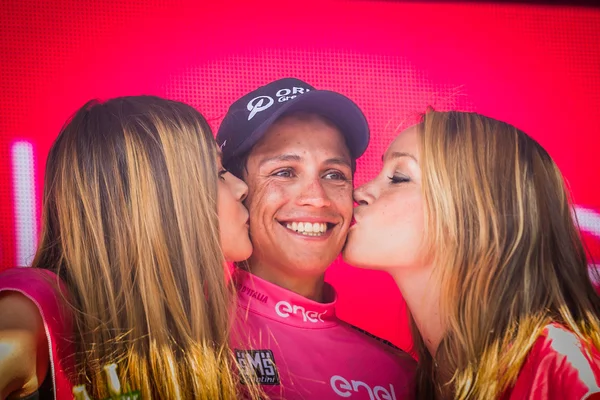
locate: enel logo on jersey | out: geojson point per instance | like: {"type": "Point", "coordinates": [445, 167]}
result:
{"type": "Point", "coordinates": [285, 310]}
{"type": "Point", "coordinates": [344, 388]}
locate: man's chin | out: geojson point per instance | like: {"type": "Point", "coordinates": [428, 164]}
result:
{"type": "Point", "coordinates": [311, 266]}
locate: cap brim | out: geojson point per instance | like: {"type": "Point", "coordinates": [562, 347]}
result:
{"type": "Point", "coordinates": [337, 108]}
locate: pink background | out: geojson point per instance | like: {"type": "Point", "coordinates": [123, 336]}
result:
{"type": "Point", "coordinates": [537, 67]}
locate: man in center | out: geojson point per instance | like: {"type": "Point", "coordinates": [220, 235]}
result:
{"type": "Point", "coordinates": [296, 148]}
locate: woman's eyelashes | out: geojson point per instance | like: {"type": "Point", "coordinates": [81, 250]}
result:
{"type": "Point", "coordinates": [222, 173]}
{"type": "Point", "coordinates": [398, 178]}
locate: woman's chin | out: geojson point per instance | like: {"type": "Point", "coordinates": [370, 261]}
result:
{"type": "Point", "coordinates": [241, 253]}
{"type": "Point", "coordinates": [236, 247]}
{"type": "Point", "coordinates": [354, 258]}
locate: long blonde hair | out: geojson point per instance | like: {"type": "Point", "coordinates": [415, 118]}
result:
{"type": "Point", "coordinates": [507, 250]}
{"type": "Point", "coordinates": [130, 225]}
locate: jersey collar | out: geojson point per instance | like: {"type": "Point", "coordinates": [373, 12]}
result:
{"type": "Point", "coordinates": [282, 305]}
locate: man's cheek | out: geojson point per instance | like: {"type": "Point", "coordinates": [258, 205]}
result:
{"type": "Point", "coordinates": [273, 194]}
{"type": "Point", "coordinates": [344, 202]}
{"type": "Point", "coordinates": [253, 200]}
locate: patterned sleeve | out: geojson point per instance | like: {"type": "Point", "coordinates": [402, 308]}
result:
{"type": "Point", "coordinates": [559, 367]}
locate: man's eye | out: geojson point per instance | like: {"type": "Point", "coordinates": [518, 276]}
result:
{"type": "Point", "coordinates": [284, 173]}
{"type": "Point", "coordinates": [336, 175]}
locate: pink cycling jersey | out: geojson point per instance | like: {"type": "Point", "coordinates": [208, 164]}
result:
{"type": "Point", "coordinates": [41, 287]}
{"type": "Point", "coordinates": [297, 348]}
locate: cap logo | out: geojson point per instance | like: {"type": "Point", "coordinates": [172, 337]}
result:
{"type": "Point", "coordinates": [261, 103]}
{"type": "Point", "coordinates": [257, 105]}
{"type": "Point", "coordinates": [288, 94]}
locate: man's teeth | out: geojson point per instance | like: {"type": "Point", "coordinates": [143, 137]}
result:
{"type": "Point", "coordinates": [308, 228]}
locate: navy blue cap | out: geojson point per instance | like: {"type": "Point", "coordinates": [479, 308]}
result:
{"type": "Point", "coordinates": [249, 117]}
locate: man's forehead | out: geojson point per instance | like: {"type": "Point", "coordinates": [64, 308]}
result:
{"type": "Point", "coordinates": [291, 156]}
{"type": "Point", "coordinates": [297, 151]}
{"type": "Point", "coordinates": [296, 132]}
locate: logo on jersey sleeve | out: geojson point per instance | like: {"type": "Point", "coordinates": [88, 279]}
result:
{"type": "Point", "coordinates": [257, 366]}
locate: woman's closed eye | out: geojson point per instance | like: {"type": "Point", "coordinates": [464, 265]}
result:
{"type": "Point", "coordinates": [222, 173]}
{"type": "Point", "coordinates": [398, 178]}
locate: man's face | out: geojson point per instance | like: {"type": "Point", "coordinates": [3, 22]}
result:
{"type": "Point", "coordinates": [300, 195]}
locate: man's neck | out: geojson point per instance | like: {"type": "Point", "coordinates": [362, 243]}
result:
{"type": "Point", "coordinates": [421, 291]}
{"type": "Point", "coordinates": [307, 286]}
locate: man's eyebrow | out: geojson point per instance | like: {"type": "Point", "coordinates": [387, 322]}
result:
{"type": "Point", "coordinates": [338, 161]}
{"type": "Point", "coordinates": [280, 158]}
{"type": "Point", "coordinates": [399, 154]}
{"type": "Point", "coordinates": [296, 158]}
